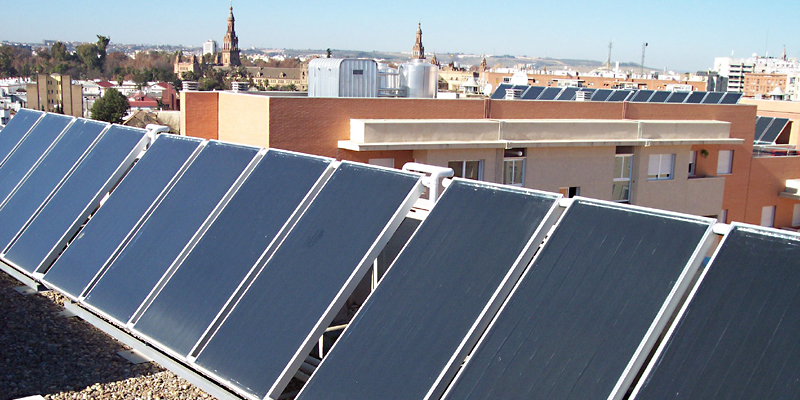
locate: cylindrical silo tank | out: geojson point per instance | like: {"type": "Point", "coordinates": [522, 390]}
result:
{"type": "Point", "coordinates": [419, 79]}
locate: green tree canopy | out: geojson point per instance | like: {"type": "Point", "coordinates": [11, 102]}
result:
{"type": "Point", "coordinates": [111, 107]}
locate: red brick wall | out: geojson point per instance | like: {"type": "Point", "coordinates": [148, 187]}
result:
{"type": "Point", "coordinates": [200, 114]}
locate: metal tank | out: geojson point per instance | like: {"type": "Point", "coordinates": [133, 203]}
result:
{"type": "Point", "coordinates": [419, 79]}
{"type": "Point", "coordinates": [337, 77]}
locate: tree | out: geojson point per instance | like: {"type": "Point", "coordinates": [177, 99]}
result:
{"type": "Point", "coordinates": [111, 107]}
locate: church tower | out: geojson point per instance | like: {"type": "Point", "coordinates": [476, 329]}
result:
{"type": "Point", "coordinates": [230, 45]}
{"type": "Point", "coordinates": [418, 51]}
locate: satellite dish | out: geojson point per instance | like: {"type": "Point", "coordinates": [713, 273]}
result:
{"type": "Point", "coordinates": [487, 89]}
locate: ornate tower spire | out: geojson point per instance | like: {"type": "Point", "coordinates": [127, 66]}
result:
{"type": "Point", "coordinates": [418, 51]}
{"type": "Point", "coordinates": [483, 64]}
{"type": "Point", "coordinates": [230, 44]}
{"type": "Point", "coordinates": [434, 61]}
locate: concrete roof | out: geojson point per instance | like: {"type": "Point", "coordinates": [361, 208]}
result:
{"type": "Point", "coordinates": [416, 134]}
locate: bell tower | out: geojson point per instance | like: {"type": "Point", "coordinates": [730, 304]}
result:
{"type": "Point", "coordinates": [418, 51]}
{"type": "Point", "coordinates": [230, 45]}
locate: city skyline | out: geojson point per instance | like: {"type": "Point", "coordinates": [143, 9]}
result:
{"type": "Point", "coordinates": [681, 35]}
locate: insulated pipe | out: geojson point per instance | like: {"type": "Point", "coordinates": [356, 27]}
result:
{"type": "Point", "coordinates": [437, 174]}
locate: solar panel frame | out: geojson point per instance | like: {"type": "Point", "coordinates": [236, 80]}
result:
{"type": "Point", "coordinates": [414, 281]}
{"type": "Point", "coordinates": [16, 130]}
{"type": "Point", "coordinates": [122, 214]}
{"type": "Point", "coordinates": [41, 225]}
{"type": "Point", "coordinates": [533, 92]}
{"type": "Point", "coordinates": [275, 382]}
{"type": "Point", "coordinates": [549, 93]}
{"type": "Point", "coordinates": [659, 96]}
{"type": "Point", "coordinates": [721, 326]}
{"type": "Point", "coordinates": [568, 93]}
{"type": "Point", "coordinates": [500, 92]}
{"type": "Point", "coordinates": [695, 97]}
{"type": "Point", "coordinates": [642, 96]}
{"type": "Point", "coordinates": [127, 273]}
{"type": "Point", "coordinates": [602, 94]}
{"type": "Point", "coordinates": [731, 98]}
{"type": "Point", "coordinates": [30, 151]}
{"type": "Point", "coordinates": [762, 124]}
{"type": "Point", "coordinates": [545, 264]}
{"type": "Point", "coordinates": [619, 95]}
{"type": "Point", "coordinates": [677, 97]}
{"type": "Point", "coordinates": [174, 282]}
{"type": "Point", "coordinates": [774, 130]}
{"type": "Point", "coordinates": [42, 182]}
{"type": "Point", "coordinates": [713, 97]}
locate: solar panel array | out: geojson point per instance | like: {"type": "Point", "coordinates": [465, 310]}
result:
{"type": "Point", "coordinates": [526, 92]}
{"type": "Point", "coordinates": [231, 261]}
{"type": "Point", "coordinates": [767, 129]}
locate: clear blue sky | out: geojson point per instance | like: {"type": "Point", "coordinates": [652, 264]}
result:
{"type": "Point", "coordinates": [682, 35]}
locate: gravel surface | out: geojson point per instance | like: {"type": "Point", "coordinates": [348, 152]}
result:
{"type": "Point", "coordinates": [42, 353]}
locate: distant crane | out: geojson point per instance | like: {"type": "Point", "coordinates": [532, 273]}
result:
{"type": "Point", "coordinates": [644, 46]}
{"type": "Point", "coordinates": [608, 59]}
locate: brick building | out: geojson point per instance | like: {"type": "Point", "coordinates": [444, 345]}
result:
{"type": "Point", "coordinates": [681, 157]}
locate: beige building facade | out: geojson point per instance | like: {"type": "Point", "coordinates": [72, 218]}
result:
{"type": "Point", "coordinates": [640, 162]}
{"type": "Point", "coordinates": [56, 93]}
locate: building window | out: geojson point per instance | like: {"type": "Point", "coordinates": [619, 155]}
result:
{"type": "Point", "coordinates": [796, 215]}
{"type": "Point", "coordinates": [725, 162]}
{"type": "Point", "coordinates": [467, 169]}
{"type": "Point", "coordinates": [768, 216]}
{"type": "Point", "coordinates": [692, 163]}
{"type": "Point", "coordinates": [570, 192]}
{"type": "Point", "coordinates": [514, 167]}
{"type": "Point", "coordinates": [660, 167]}
{"type": "Point", "coordinates": [621, 189]}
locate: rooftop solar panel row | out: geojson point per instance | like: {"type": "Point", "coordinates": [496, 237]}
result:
{"type": "Point", "coordinates": [108, 230]}
{"type": "Point", "coordinates": [234, 260]}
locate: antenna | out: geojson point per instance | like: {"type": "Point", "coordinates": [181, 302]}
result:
{"type": "Point", "coordinates": [644, 46]}
{"type": "Point", "coordinates": [608, 59]}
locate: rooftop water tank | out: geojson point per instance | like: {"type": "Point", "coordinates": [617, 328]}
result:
{"type": "Point", "coordinates": [419, 79]}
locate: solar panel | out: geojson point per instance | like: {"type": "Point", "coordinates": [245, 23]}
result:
{"type": "Point", "coordinates": [197, 291]}
{"type": "Point", "coordinates": [772, 132]}
{"type": "Point", "coordinates": [119, 216]}
{"type": "Point", "coordinates": [533, 92]}
{"type": "Point", "coordinates": [500, 92]}
{"type": "Point", "coordinates": [619, 95]}
{"type": "Point", "coordinates": [584, 315]}
{"type": "Point", "coordinates": [642, 96]}
{"type": "Point", "coordinates": [659, 96]}
{"type": "Point", "coordinates": [695, 98]}
{"type": "Point", "coordinates": [713, 97]}
{"type": "Point", "coordinates": [549, 93]}
{"type": "Point", "coordinates": [265, 338]}
{"type": "Point", "coordinates": [731, 98]}
{"type": "Point", "coordinates": [602, 94]}
{"type": "Point", "coordinates": [567, 94]}
{"type": "Point", "coordinates": [16, 129]}
{"type": "Point", "coordinates": [461, 261]}
{"type": "Point", "coordinates": [58, 220]}
{"type": "Point", "coordinates": [37, 188]}
{"type": "Point", "coordinates": [29, 151]}
{"type": "Point", "coordinates": [677, 97]}
{"type": "Point", "coordinates": [736, 336]}
{"type": "Point", "coordinates": [762, 123]}
{"type": "Point", "coordinates": [131, 276]}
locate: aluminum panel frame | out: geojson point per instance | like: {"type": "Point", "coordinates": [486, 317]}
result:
{"type": "Point", "coordinates": [417, 285]}
{"type": "Point", "coordinates": [622, 377]}
{"type": "Point", "coordinates": [407, 184]}
{"type": "Point", "coordinates": [168, 156]}
{"type": "Point", "coordinates": [31, 234]}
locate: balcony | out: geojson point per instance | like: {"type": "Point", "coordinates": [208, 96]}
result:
{"type": "Point", "coordinates": [704, 195]}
